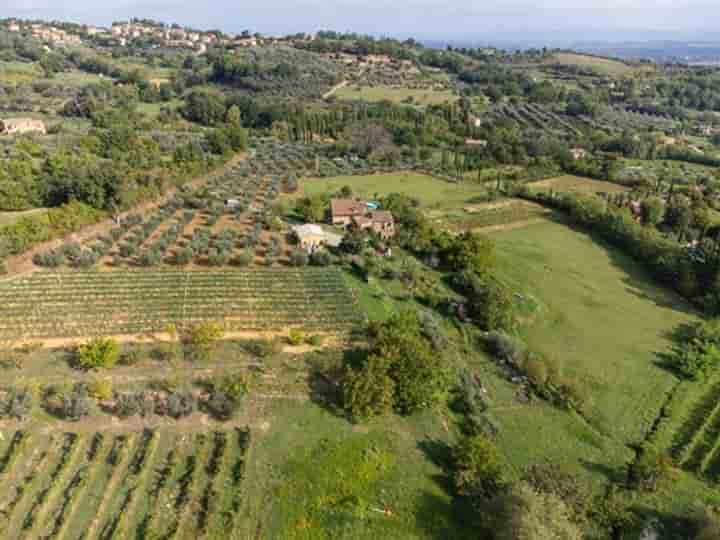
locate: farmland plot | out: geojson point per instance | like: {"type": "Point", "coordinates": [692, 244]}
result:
{"type": "Point", "coordinates": [158, 484]}
{"type": "Point", "coordinates": [74, 304]}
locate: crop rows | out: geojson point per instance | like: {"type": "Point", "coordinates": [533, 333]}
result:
{"type": "Point", "coordinates": [87, 303]}
{"type": "Point", "coordinates": [697, 443]}
{"type": "Point", "coordinates": [157, 484]}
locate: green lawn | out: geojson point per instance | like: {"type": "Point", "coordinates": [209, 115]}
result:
{"type": "Point", "coordinates": [431, 192]}
{"type": "Point", "coordinates": [600, 317]}
{"type": "Point", "coordinates": [397, 95]}
{"type": "Point", "coordinates": [314, 475]}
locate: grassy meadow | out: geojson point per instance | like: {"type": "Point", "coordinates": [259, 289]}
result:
{"type": "Point", "coordinates": [603, 66]}
{"type": "Point", "coordinates": [419, 97]}
{"type": "Point", "coordinates": [430, 192]}
{"type": "Point", "coordinates": [576, 184]}
{"type": "Point", "coordinates": [598, 314]}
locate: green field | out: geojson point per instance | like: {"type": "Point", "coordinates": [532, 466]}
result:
{"type": "Point", "coordinates": [431, 192]}
{"type": "Point", "coordinates": [397, 95]}
{"type": "Point", "coordinates": [600, 316]}
{"type": "Point", "coordinates": [315, 475]}
{"type": "Point", "coordinates": [603, 66]}
{"type": "Point", "coordinates": [576, 184]}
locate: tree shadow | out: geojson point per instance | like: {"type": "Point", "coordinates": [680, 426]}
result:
{"type": "Point", "coordinates": [638, 280]}
{"type": "Point", "coordinates": [448, 519]}
{"type": "Point", "coordinates": [615, 475]}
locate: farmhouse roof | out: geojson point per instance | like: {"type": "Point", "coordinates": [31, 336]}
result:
{"type": "Point", "coordinates": [348, 207]}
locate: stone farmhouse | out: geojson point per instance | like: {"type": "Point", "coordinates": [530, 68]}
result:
{"type": "Point", "coordinates": [20, 126]}
{"type": "Point", "coordinates": [346, 212]}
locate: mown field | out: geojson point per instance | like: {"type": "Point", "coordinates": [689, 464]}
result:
{"type": "Point", "coordinates": [598, 314]}
{"type": "Point", "coordinates": [421, 97]}
{"type": "Point", "coordinates": [75, 304]}
{"type": "Point", "coordinates": [576, 184]}
{"type": "Point", "coordinates": [430, 192]}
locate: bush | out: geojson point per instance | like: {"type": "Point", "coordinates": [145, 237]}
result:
{"type": "Point", "coordinates": [368, 391]}
{"type": "Point", "coordinates": [201, 339]}
{"type": "Point", "coordinates": [262, 348]}
{"type": "Point", "coordinates": [100, 389]}
{"type": "Point", "coordinates": [183, 256]}
{"type": "Point", "coordinates": [296, 337]}
{"type": "Point", "coordinates": [245, 258]}
{"type": "Point", "coordinates": [314, 340]}
{"type": "Point", "coordinates": [299, 257]}
{"type": "Point", "coordinates": [226, 395]}
{"type": "Point", "coordinates": [321, 258]}
{"type": "Point", "coordinates": [97, 353]}
{"type": "Point", "coordinates": [477, 468]}
{"type": "Point", "coordinates": [503, 347]}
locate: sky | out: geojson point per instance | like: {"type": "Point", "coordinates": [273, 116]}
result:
{"type": "Point", "coordinates": [451, 20]}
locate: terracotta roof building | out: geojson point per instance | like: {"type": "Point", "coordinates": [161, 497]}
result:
{"type": "Point", "coordinates": [342, 211]}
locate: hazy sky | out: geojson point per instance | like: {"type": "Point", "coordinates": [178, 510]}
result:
{"type": "Point", "coordinates": [443, 19]}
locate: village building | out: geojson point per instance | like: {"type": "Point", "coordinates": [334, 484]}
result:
{"type": "Point", "coordinates": [578, 153]}
{"type": "Point", "coordinates": [20, 126]}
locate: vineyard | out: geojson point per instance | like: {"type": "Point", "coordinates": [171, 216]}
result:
{"type": "Point", "coordinates": [532, 116]}
{"type": "Point", "coordinates": [696, 445]}
{"type": "Point", "coordinates": [68, 304]}
{"type": "Point", "coordinates": [149, 484]}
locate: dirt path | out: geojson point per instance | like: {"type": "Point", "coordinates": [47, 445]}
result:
{"type": "Point", "coordinates": [328, 340]}
{"type": "Point", "coordinates": [338, 86]}
{"type": "Point", "coordinates": [511, 226]}
{"type": "Point", "coordinates": [22, 264]}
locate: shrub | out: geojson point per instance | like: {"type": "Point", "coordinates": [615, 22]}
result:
{"type": "Point", "coordinates": [227, 394]}
{"type": "Point", "coordinates": [181, 404]}
{"type": "Point", "coordinates": [262, 348]}
{"type": "Point", "coordinates": [218, 257]}
{"type": "Point", "coordinates": [100, 389]}
{"type": "Point", "coordinates": [299, 257]}
{"type": "Point", "coordinates": [314, 340]}
{"type": "Point", "coordinates": [296, 337]}
{"type": "Point", "coordinates": [245, 258]}
{"type": "Point", "coordinates": [477, 467]}
{"type": "Point", "coordinates": [368, 391]}
{"type": "Point", "coordinates": [503, 347]}
{"type": "Point", "coordinates": [97, 353]}
{"type": "Point", "coordinates": [149, 258]}
{"type": "Point", "coordinates": [321, 258]}
{"type": "Point", "coordinates": [201, 339]}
